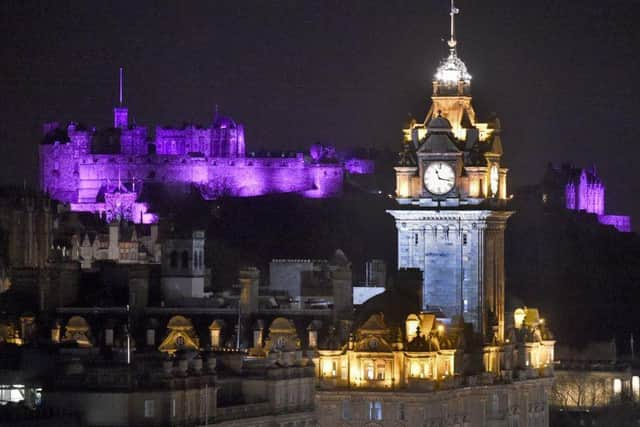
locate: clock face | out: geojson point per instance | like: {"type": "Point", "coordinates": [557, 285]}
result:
{"type": "Point", "coordinates": [494, 179]}
{"type": "Point", "coordinates": [439, 178]}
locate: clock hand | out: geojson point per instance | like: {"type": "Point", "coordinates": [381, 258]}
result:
{"type": "Point", "coordinates": [443, 179]}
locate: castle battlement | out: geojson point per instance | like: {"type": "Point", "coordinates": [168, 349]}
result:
{"type": "Point", "coordinates": [81, 165]}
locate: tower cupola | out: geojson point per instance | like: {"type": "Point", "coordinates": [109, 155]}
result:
{"type": "Point", "coordinates": [452, 77]}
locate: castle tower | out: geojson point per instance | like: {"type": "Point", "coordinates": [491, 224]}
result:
{"type": "Point", "coordinates": [451, 191]}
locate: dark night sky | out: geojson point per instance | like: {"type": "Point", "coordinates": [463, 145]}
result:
{"type": "Point", "coordinates": [562, 75]}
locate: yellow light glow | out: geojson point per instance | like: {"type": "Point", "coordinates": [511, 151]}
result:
{"type": "Point", "coordinates": [329, 368]}
{"type": "Point", "coordinates": [416, 369]}
{"type": "Point", "coordinates": [440, 328]}
{"type": "Point", "coordinates": [617, 386]}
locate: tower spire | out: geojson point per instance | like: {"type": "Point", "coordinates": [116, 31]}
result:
{"type": "Point", "coordinates": [452, 13]}
{"type": "Point", "coordinates": [452, 70]}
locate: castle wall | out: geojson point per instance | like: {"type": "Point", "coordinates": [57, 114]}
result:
{"type": "Point", "coordinates": [326, 181]}
{"type": "Point", "coordinates": [239, 177]}
{"type": "Point", "coordinates": [75, 170]}
{"type": "Point", "coordinates": [620, 222]}
{"type": "Point", "coordinates": [359, 166]}
{"type": "Point", "coordinates": [58, 172]}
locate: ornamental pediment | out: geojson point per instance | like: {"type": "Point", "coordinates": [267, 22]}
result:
{"type": "Point", "coordinates": [373, 344]}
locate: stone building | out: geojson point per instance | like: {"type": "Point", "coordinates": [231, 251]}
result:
{"type": "Point", "coordinates": [315, 283]}
{"type": "Point", "coordinates": [26, 228]}
{"type": "Point", "coordinates": [123, 243]}
{"type": "Point", "coordinates": [121, 377]}
{"type": "Point", "coordinates": [107, 171]}
{"type": "Point", "coordinates": [451, 189]}
{"type": "Point", "coordinates": [437, 348]}
{"type": "Point", "coordinates": [582, 190]}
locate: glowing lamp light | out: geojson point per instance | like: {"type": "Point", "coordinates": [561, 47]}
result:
{"type": "Point", "coordinates": [452, 70]}
{"type": "Point", "coordinates": [440, 329]}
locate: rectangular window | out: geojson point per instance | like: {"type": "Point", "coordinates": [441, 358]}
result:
{"type": "Point", "coordinates": [173, 407]}
{"type": "Point", "coordinates": [617, 386]}
{"type": "Point", "coordinates": [346, 410]}
{"type": "Point", "coordinates": [401, 412]}
{"type": "Point", "coordinates": [329, 368]}
{"type": "Point", "coordinates": [635, 387]}
{"type": "Point", "coordinates": [380, 368]}
{"type": "Point", "coordinates": [149, 408]}
{"type": "Point", "coordinates": [343, 369]}
{"type": "Point", "coordinates": [374, 410]}
{"type": "Point", "coordinates": [495, 403]}
{"type": "Point", "coordinates": [369, 371]}
{"type": "Point", "coordinates": [464, 238]}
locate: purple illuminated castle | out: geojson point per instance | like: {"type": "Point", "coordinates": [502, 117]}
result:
{"type": "Point", "coordinates": [105, 171]}
{"type": "Point", "coordinates": [585, 191]}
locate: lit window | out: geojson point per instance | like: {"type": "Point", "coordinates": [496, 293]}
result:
{"type": "Point", "coordinates": [369, 371]}
{"type": "Point", "coordinates": [416, 369]}
{"type": "Point", "coordinates": [635, 387]}
{"type": "Point", "coordinates": [617, 386]}
{"type": "Point", "coordinates": [149, 407]}
{"type": "Point", "coordinates": [180, 341]}
{"type": "Point", "coordinates": [380, 368]}
{"type": "Point", "coordinates": [329, 368]}
{"type": "Point", "coordinates": [375, 410]}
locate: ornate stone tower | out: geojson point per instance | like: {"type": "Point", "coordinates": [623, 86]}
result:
{"type": "Point", "coordinates": [452, 192]}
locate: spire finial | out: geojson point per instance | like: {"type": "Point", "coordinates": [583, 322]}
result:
{"type": "Point", "coordinates": [452, 40]}
{"type": "Point", "coordinates": [121, 84]}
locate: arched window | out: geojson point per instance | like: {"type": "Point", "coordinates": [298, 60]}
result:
{"type": "Point", "coordinates": [185, 260]}
{"type": "Point", "coordinates": [173, 259]}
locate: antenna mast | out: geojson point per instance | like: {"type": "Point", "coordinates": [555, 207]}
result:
{"type": "Point", "coordinates": [122, 81]}
{"type": "Point", "coordinates": [454, 11]}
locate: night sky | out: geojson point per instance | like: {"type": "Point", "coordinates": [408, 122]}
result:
{"type": "Point", "coordinates": [562, 75]}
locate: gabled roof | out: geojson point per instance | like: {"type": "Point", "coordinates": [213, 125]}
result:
{"type": "Point", "coordinates": [439, 138]}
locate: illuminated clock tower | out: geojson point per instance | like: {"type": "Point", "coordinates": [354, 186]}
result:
{"type": "Point", "coordinates": [451, 190]}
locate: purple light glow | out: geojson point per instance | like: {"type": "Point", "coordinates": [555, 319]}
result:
{"type": "Point", "coordinates": [621, 222]}
{"type": "Point", "coordinates": [360, 166]}
{"type": "Point", "coordinates": [79, 170]}
{"type": "Point", "coordinates": [587, 195]}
